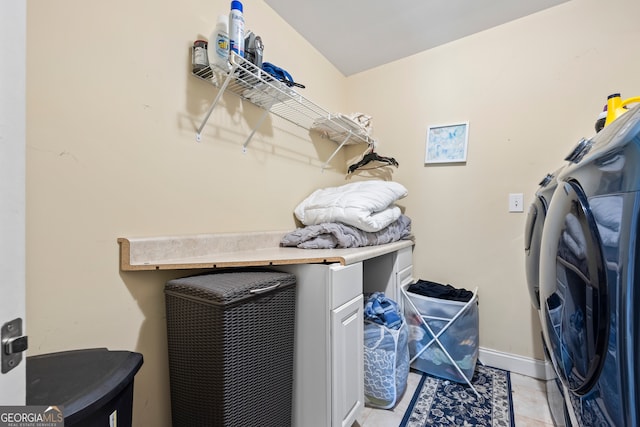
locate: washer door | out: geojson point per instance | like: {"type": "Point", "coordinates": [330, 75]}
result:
{"type": "Point", "coordinates": [574, 290]}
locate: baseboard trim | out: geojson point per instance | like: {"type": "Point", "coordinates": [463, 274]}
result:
{"type": "Point", "coordinates": [540, 369]}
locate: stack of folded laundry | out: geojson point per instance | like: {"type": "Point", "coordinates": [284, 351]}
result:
{"type": "Point", "coordinates": [357, 214]}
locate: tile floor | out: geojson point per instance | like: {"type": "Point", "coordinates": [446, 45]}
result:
{"type": "Point", "coordinates": [529, 405]}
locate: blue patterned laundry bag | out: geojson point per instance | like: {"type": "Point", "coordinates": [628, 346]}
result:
{"type": "Point", "coordinates": [386, 352]}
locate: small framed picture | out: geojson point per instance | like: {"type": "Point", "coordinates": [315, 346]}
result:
{"type": "Point", "coordinates": [447, 143]}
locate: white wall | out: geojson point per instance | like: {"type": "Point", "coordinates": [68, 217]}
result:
{"type": "Point", "coordinates": [111, 152]}
{"type": "Point", "coordinates": [530, 90]}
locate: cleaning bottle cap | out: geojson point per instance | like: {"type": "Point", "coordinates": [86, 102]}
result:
{"type": "Point", "coordinates": [235, 4]}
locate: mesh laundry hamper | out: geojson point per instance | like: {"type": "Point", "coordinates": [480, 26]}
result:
{"type": "Point", "coordinates": [230, 339]}
{"type": "Point", "coordinates": [443, 337]}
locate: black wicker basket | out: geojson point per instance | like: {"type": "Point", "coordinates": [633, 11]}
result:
{"type": "Point", "coordinates": [230, 339]}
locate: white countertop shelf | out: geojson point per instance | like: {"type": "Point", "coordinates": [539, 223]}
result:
{"type": "Point", "coordinates": [233, 250]}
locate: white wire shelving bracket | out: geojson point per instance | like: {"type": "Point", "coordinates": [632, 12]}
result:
{"type": "Point", "coordinates": [260, 88]}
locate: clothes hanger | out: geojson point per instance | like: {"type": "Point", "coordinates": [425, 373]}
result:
{"type": "Point", "coordinates": [372, 156]}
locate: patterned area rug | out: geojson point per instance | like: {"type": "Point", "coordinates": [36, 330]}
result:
{"type": "Point", "coordinates": [439, 402]}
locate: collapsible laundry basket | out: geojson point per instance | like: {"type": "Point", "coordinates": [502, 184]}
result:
{"type": "Point", "coordinates": [230, 339]}
{"type": "Point", "coordinates": [443, 335]}
{"type": "Point", "coordinates": [386, 362]}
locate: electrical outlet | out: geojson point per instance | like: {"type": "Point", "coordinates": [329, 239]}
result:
{"type": "Point", "coordinates": [516, 202]}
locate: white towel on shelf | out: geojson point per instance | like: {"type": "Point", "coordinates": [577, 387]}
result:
{"type": "Point", "coordinates": [338, 127]}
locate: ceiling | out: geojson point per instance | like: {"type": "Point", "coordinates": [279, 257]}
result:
{"type": "Point", "coordinates": [356, 35]}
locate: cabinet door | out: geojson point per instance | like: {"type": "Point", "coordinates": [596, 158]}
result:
{"type": "Point", "coordinates": [347, 358]}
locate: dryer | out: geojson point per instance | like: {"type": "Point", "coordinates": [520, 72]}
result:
{"type": "Point", "coordinates": [590, 277]}
{"type": "Point", "coordinates": [533, 234]}
{"type": "Point", "coordinates": [532, 239]}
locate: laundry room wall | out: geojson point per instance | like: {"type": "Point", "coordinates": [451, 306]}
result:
{"type": "Point", "coordinates": [112, 112]}
{"type": "Point", "coordinates": [111, 117]}
{"type": "Point", "coordinates": [530, 90]}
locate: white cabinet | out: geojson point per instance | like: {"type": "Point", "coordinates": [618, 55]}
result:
{"type": "Point", "coordinates": [328, 372]}
{"type": "Point", "coordinates": [403, 272]}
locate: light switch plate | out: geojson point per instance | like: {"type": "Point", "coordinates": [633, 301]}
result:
{"type": "Point", "coordinates": [516, 202]}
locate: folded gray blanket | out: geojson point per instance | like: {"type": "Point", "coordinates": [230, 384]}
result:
{"type": "Point", "coordinates": [337, 235]}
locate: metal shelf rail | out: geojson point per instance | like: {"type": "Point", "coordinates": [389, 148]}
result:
{"type": "Point", "coordinates": [253, 84]}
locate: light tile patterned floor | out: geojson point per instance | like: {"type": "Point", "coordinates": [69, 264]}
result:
{"type": "Point", "coordinates": [529, 405]}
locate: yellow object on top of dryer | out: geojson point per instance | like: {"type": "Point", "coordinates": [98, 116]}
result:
{"type": "Point", "coordinates": [617, 107]}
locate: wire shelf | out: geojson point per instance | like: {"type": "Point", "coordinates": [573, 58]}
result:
{"type": "Point", "coordinates": [260, 88]}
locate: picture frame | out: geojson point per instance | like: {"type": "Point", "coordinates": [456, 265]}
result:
{"type": "Point", "coordinates": [447, 143]}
